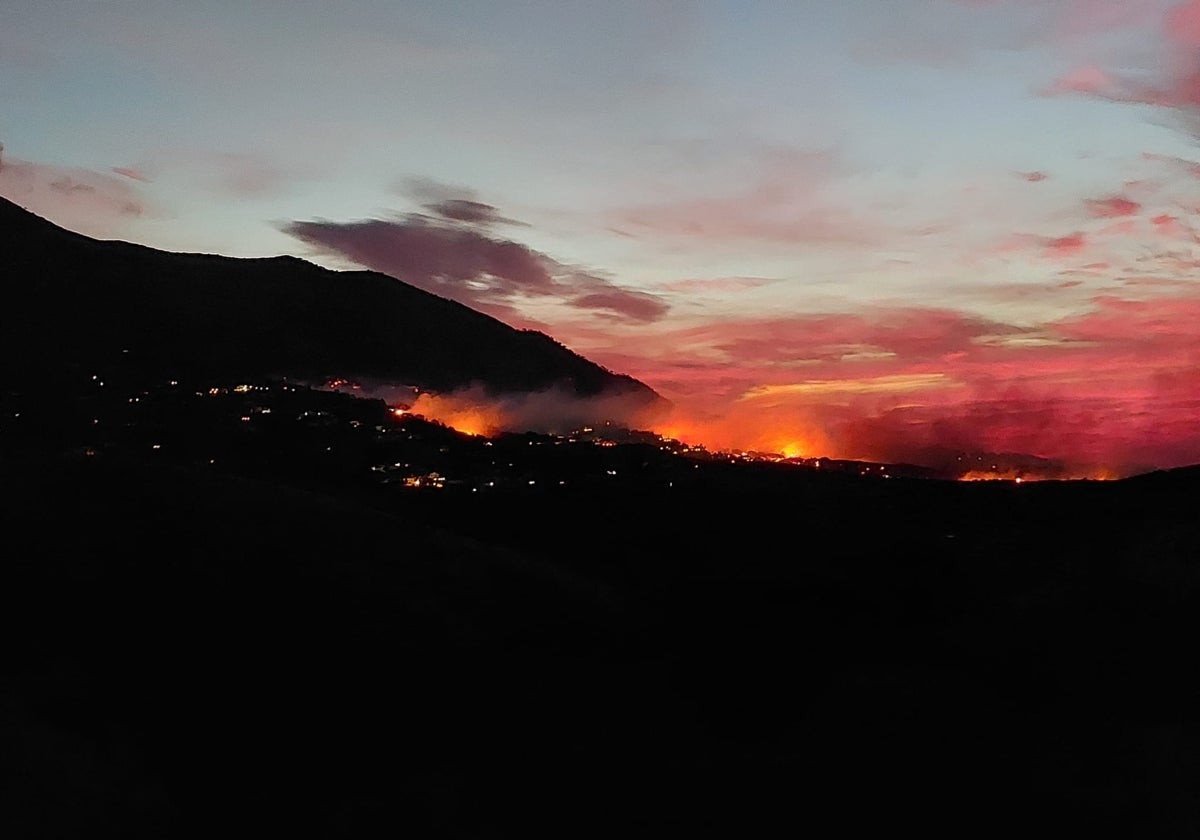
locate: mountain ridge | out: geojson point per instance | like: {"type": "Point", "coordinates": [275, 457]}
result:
{"type": "Point", "coordinates": [82, 301]}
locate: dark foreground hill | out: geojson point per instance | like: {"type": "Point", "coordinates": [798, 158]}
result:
{"type": "Point", "coordinates": [217, 616]}
{"type": "Point", "coordinates": [74, 303]}
{"type": "Point", "coordinates": [759, 652]}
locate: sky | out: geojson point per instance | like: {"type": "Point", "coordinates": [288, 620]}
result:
{"type": "Point", "coordinates": [878, 229]}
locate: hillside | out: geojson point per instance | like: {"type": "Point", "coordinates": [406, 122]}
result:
{"type": "Point", "coordinates": [73, 302]}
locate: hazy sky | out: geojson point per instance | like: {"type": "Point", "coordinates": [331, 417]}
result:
{"type": "Point", "coordinates": [859, 228]}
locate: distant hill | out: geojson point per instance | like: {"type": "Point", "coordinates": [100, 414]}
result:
{"type": "Point", "coordinates": [72, 303]}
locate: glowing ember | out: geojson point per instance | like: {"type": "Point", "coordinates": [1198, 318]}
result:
{"type": "Point", "coordinates": [1024, 476]}
{"type": "Point", "coordinates": [999, 475]}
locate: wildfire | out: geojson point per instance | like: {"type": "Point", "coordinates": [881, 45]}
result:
{"type": "Point", "coordinates": [470, 418]}
{"type": "Point", "coordinates": [784, 436]}
{"type": "Point", "coordinates": [747, 429]}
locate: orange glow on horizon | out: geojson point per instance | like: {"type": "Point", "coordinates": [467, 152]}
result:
{"type": "Point", "coordinates": [773, 432]}
{"type": "Point", "coordinates": [746, 430]}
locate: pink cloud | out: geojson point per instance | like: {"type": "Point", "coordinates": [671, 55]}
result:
{"type": "Point", "coordinates": [1169, 225]}
{"type": "Point", "coordinates": [1189, 167]}
{"type": "Point", "coordinates": [1086, 80]}
{"type": "Point", "coordinates": [1183, 24]}
{"type": "Point", "coordinates": [716, 284]}
{"type": "Point", "coordinates": [1064, 246]}
{"type": "Point", "coordinates": [1120, 233]}
{"type": "Point", "coordinates": [1117, 320]}
{"type": "Point", "coordinates": [1174, 82]}
{"type": "Point", "coordinates": [93, 203]}
{"type": "Point", "coordinates": [1033, 177]}
{"type": "Point", "coordinates": [1112, 206]}
{"type": "Point", "coordinates": [1086, 17]}
{"type": "Point", "coordinates": [736, 355]}
{"type": "Point", "coordinates": [249, 175]}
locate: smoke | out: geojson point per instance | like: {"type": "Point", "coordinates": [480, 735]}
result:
{"type": "Point", "coordinates": [477, 411]}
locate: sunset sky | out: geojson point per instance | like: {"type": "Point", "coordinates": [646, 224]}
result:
{"type": "Point", "coordinates": [867, 228]}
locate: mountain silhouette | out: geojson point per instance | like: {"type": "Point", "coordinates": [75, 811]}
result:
{"type": "Point", "coordinates": [73, 303]}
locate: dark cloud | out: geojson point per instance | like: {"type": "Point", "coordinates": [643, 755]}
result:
{"type": "Point", "coordinates": [471, 212]}
{"type": "Point", "coordinates": [462, 262]}
{"type": "Point", "coordinates": [451, 203]}
{"type": "Point", "coordinates": [428, 191]}
{"type": "Point", "coordinates": [636, 306]}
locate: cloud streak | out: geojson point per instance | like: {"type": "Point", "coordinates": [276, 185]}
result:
{"type": "Point", "coordinates": [783, 199]}
{"type": "Point", "coordinates": [1112, 207]}
{"type": "Point", "coordinates": [456, 255]}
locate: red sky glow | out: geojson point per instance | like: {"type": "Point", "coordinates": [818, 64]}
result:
{"type": "Point", "coordinates": [861, 230]}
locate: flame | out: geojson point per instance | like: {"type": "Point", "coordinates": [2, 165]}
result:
{"type": "Point", "coordinates": [1023, 476]}
{"type": "Point", "coordinates": [1002, 475]}
{"type": "Point", "coordinates": [795, 449]}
